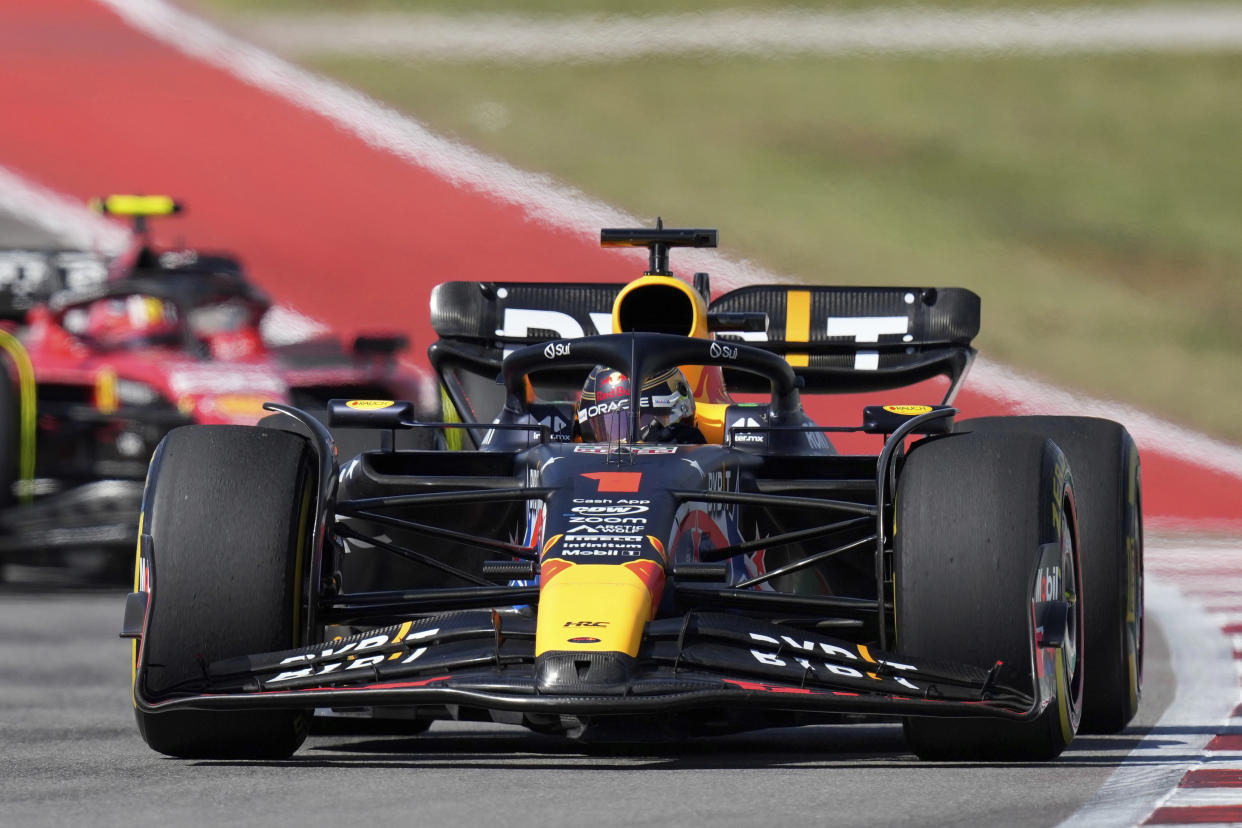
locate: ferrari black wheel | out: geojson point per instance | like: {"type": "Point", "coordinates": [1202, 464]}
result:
{"type": "Point", "coordinates": [228, 510]}
{"type": "Point", "coordinates": [10, 425]}
{"type": "Point", "coordinates": [1108, 490]}
{"type": "Point", "coordinates": [10, 432]}
{"type": "Point", "coordinates": [985, 523]}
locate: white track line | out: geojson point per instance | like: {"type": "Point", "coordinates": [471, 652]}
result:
{"type": "Point", "coordinates": [1025, 395]}
{"type": "Point", "coordinates": [781, 33]}
{"type": "Point", "coordinates": [1207, 692]}
{"type": "Point", "coordinates": [543, 199]}
{"type": "Point", "coordinates": [66, 218]}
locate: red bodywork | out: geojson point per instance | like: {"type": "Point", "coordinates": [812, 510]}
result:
{"type": "Point", "coordinates": [159, 340]}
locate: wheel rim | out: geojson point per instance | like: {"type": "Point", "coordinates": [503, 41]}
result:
{"type": "Point", "coordinates": [1071, 650]}
{"type": "Point", "coordinates": [1133, 622]}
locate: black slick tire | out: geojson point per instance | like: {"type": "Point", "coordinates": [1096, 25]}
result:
{"type": "Point", "coordinates": [1108, 492]}
{"type": "Point", "coordinates": [10, 428]}
{"type": "Point", "coordinates": [976, 515]}
{"type": "Point", "coordinates": [10, 434]}
{"type": "Point", "coordinates": [228, 510]}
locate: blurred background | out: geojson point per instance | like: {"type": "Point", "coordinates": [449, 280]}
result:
{"type": "Point", "coordinates": [1075, 164]}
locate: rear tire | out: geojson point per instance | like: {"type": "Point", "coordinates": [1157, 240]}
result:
{"type": "Point", "coordinates": [228, 509]}
{"type": "Point", "coordinates": [973, 512]}
{"type": "Point", "coordinates": [1108, 492]}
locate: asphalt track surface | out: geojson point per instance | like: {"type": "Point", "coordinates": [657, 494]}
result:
{"type": "Point", "coordinates": [71, 756]}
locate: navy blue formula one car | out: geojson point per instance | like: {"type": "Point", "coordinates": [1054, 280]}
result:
{"type": "Point", "coordinates": [632, 530]}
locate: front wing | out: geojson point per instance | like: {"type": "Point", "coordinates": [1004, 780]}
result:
{"type": "Point", "coordinates": [485, 659]}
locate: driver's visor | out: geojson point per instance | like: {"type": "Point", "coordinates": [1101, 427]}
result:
{"type": "Point", "coordinates": [609, 420]}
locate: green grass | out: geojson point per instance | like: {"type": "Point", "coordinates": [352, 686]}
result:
{"type": "Point", "coordinates": [1094, 202]}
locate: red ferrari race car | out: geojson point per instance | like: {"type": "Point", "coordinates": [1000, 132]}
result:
{"type": "Point", "coordinates": [106, 356]}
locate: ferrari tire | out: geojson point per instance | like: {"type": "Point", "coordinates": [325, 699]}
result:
{"type": "Point", "coordinates": [1108, 491]}
{"type": "Point", "coordinates": [228, 511]}
{"type": "Point", "coordinates": [976, 514]}
{"type": "Point", "coordinates": [10, 435]}
{"type": "Point", "coordinates": [10, 428]}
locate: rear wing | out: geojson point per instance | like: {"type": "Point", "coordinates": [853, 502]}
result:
{"type": "Point", "coordinates": [851, 339]}
{"type": "Point", "coordinates": [29, 277]}
{"type": "Point", "coordinates": [837, 339]}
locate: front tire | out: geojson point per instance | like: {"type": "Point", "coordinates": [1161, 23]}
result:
{"type": "Point", "coordinates": [228, 510]}
{"type": "Point", "coordinates": [1108, 491]}
{"type": "Point", "coordinates": [977, 514]}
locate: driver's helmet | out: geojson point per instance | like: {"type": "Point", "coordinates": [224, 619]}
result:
{"type": "Point", "coordinates": [603, 412]}
{"type": "Point", "coordinates": [132, 320]}
{"type": "Point", "coordinates": [220, 317]}
{"type": "Point", "coordinates": [230, 328]}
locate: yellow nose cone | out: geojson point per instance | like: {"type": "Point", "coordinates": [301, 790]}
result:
{"type": "Point", "coordinates": [596, 607]}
